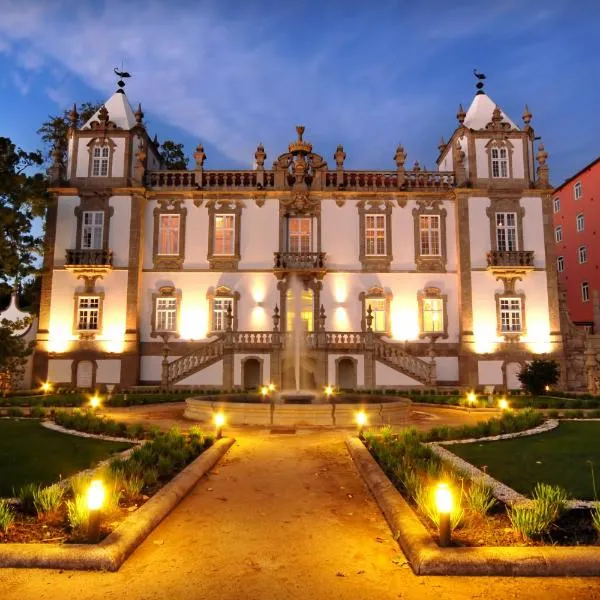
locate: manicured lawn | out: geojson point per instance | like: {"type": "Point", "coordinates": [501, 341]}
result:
{"type": "Point", "coordinates": [31, 453]}
{"type": "Point", "coordinates": [560, 457]}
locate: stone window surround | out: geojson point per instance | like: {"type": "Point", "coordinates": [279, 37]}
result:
{"type": "Point", "coordinates": [376, 292]}
{"type": "Point", "coordinates": [556, 205]}
{"type": "Point", "coordinates": [577, 190]}
{"type": "Point", "coordinates": [510, 335]}
{"type": "Point", "coordinates": [337, 371]}
{"type": "Point", "coordinates": [427, 263]}
{"type": "Point", "coordinates": [500, 143]}
{"type": "Point", "coordinates": [580, 222]}
{"type": "Point", "coordinates": [582, 253]}
{"type": "Point", "coordinates": [261, 362]}
{"type": "Point", "coordinates": [287, 211]}
{"type": "Point", "coordinates": [375, 207]}
{"type": "Point", "coordinates": [560, 264]}
{"type": "Point", "coordinates": [434, 293]}
{"type": "Point", "coordinates": [503, 205]}
{"type": "Point", "coordinates": [100, 142]}
{"type": "Point", "coordinates": [98, 202]}
{"type": "Point", "coordinates": [585, 285]}
{"type": "Point", "coordinates": [224, 207]}
{"type": "Point", "coordinates": [87, 333]}
{"type": "Point", "coordinates": [222, 291]}
{"type": "Point", "coordinates": [314, 285]}
{"type": "Point", "coordinates": [166, 291]}
{"type": "Point", "coordinates": [558, 234]}
{"type": "Point", "coordinates": [169, 262]}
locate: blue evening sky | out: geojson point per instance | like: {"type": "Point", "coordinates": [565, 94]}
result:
{"type": "Point", "coordinates": [366, 74]}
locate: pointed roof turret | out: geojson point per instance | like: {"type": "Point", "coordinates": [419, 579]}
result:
{"type": "Point", "coordinates": [119, 110]}
{"type": "Point", "coordinates": [481, 112]}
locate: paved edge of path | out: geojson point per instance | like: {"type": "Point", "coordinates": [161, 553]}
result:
{"type": "Point", "coordinates": [112, 552]}
{"type": "Point", "coordinates": [427, 558]}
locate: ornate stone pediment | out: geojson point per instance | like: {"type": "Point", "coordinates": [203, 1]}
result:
{"type": "Point", "coordinates": [300, 202]}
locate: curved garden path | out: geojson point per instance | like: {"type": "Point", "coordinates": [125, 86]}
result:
{"type": "Point", "coordinates": [282, 516]}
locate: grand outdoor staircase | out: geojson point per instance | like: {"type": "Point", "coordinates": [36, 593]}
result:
{"type": "Point", "coordinates": [390, 354]}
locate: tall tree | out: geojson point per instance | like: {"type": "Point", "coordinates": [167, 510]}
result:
{"type": "Point", "coordinates": [53, 132]}
{"type": "Point", "coordinates": [172, 156]}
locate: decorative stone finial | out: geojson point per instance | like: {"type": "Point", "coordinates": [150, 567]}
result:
{"type": "Point", "coordinates": [276, 318]}
{"type": "Point", "coordinates": [322, 318]}
{"type": "Point", "coordinates": [497, 115]}
{"type": "Point", "coordinates": [260, 156]}
{"type": "Point", "coordinates": [139, 115]}
{"type": "Point", "coordinates": [461, 114]}
{"type": "Point", "coordinates": [73, 117]}
{"type": "Point", "coordinates": [156, 142]}
{"type": "Point", "coordinates": [300, 146]}
{"type": "Point", "coordinates": [339, 157]}
{"type": "Point", "coordinates": [441, 145]}
{"type": "Point", "coordinates": [527, 116]}
{"type": "Point", "coordinates": [300, 131]}
{"type": "Point", "coordinates": [103, 114]}
{"type": "Point", "coordinates": [416, 166]}
{"type": "Point", "coordinates": [199, 156]}
{"type": "Point", "coordinates": [543, 179]}
{"type": "Point", "coordinates": [400, 157]}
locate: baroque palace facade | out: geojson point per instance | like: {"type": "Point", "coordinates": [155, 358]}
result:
{"type": "Point", "coordinates": [399, 278]}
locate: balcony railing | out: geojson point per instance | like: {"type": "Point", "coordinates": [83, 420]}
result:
{"type": "Point", "coordinates": [89, 257]}
{"type": "Point", "coordinates": [209, 180]}
{"type": "Point", "coordinates": [300, 261]}
{"type": "Point", "coordinates": [388, 180]}
{"type": "Point", "coordinates": [510, 258]}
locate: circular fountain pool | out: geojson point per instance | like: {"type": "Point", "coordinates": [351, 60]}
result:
{"type": "Point", "coordinates": [240, 410]}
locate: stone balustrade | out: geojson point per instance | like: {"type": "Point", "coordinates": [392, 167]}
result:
{"type": "Point", "coordinates": [510, 258]}
{"type": "Point", "coordinates": [299, 260]}
{"type": "Point", "coordinates": [85, 257]}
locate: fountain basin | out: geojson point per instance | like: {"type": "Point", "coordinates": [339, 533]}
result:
{"type": "Point", "coordinates": [380, 412]}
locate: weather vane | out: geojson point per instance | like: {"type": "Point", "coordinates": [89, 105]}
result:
{"type": "Point", "coordinates": [122, 75]}
{"type": "Point", "coordinates": [479, 84]}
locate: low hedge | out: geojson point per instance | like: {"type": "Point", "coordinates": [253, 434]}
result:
{"type": "Point", "coordinates": [88, 422]}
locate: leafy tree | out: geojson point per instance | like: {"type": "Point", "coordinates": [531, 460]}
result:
{"type": "Point", "coordinates": [172, 156]}
{"type": "Point", "coordinates": [539, 373]}
{"type": "Point", "coordinates": [54, 131]}
{"type": "Point", "coordinates": [14, 351]}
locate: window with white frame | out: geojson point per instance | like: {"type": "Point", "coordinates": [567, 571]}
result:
{"type": "Point", "coordinates": [558, 234]}
{"type": "Point", "coordinates": [499, 158]}
{"type": "Point", "coordinates": [556, 205]}
{"type": "Point", "coordinates": [578, 190]}
{"type": "Point", "coordinates": [219, 313]}
{"type": "Point", "coordinates": [100, 161]}
{"type": "Point", "coordinates": [506, 231]}
{"type": "Point", "coordinates": [585, 291]}
{"type": "Point", "coordinates": [510, 315]}
{"type": "Point", "coordinates": [92, 230]}
{"type": "Point", "coordinates": [168, 234]}
{"type": "Point", "coordinates": [429, 232]}
{"type": "Point", "coordinates": [299, 234]}
{"type": "Point", "coordinates": [378, 312]}
{"type": "Point", "coordinates": [560, 263]}
{"type": "Point", "coordinates": [224, 235]}
{"type": "Point", "coordinates": [166, 315]}
{"type": "Point", "coordinates": [580, 222]}
{"type": "Point", "coordinates": [582, 254]}
{"type": "Point", "coordinates": [88, 313]}
{"type": "Point", "coordinates": [433, 315]}
{"type": "Point", "coordinates": [375, 235]}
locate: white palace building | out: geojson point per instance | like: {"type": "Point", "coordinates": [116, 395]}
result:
{"type": "Point", "coordinates": [402, 278]}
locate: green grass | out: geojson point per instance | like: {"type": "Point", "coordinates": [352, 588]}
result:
{"type": "Point", "coordinates": [29, 453]}
{"type": "Point", "coordinates": [559, 457]}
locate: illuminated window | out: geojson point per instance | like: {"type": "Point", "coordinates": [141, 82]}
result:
{"type": "Point", "coordinates": [166, 315]}
{"type": "Point", "coordinates": [299, 234]}
{"type": "Point", "coordinates": [429, 232]}
{"type": "Point", "coordinates": [506, 231]}
{"type": "Point", "coordinates": [510, 315]}
{"type": "Point", "coordinates": [582, 254]}
{"type": "Point", "coordinates": [433, 315]}
{"type": "Point", "coordinates": [224, 235]}
{"type": "Point", "coordinates": [306, 306]}
{"type": "Point", "coordinates": [219, 313]}
{"type": "Point", "coordinates": [578, 190]}
{"type": "Point", "coordinates": [375, 235]}
{"type": "Point", "coordinates": [560, 263]}
{"type": "Point", "coordinates": [88, 313]}
{"type": "Point", "coordinates": [580, 222]}
{"type": "Point", "coordinates": [379, 310]}
{"type": "Point", "coordinates": [499, 158]}
{"type": "Point", "coordinates": [100, 161]}
{"type": "Point", "coordinates": [168, 234]}
{"type": "Point", "coordinates": [92, 230]}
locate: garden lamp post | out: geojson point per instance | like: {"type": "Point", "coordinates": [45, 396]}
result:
{"type": "Point", "coordinates": [443, 501]}
{"type": "Point", "coordinates": [361, 421]}
{"type": "Point", "coordinates": [95, 500]}
{"type": "Point", "coordinates": [503, 404]}
{"type": "Point", "coordinates": [328, 392]}
{"type": "Point", "coordinates": [264, 392]}
{"type": "Point", "coordinates": [46, 387]}
{"type": "Point", "coordinates": [219, 420]}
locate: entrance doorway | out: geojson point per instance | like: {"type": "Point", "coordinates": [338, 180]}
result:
{"type": "Point", "coordinates": [346, 373]}
{"type": "Point", "coordinates": [85, 370]}
{"type": "Point", "coordinates": [251, 374]}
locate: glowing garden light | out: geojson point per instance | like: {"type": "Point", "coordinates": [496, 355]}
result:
{"type": "Point", "coordinates": [444, 503]}
{"type": "Point", "coordinates": [503, 404]}
{"type": "Point", "coordinates": [361, 421]}
{"type": "Point", "coordinates": [219, 420]}
{"type": "Point", "coordinates": [95, 500]}
{"type": "Point", "coordinates": [328, 391]}
{"type": "Point", "coordinates": [46, 387]}
{"type": "Point", "coordinates": [272, 387]}
{"type": "Point", "coordinates": [95, 401]}
{"type": "Point", "coordinates": [471, 398]}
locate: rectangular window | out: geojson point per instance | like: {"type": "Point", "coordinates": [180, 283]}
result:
{"type": "Point", "coordinates": [580, 222]}
{"type": "Point", "coordinates": [499, 162]}
{"type": "Point", "coordinates": [168, 234]}
{"type": "Point", "coordinates": [506, 232]}
{"type": "Point", "coordinates": [375, 235]}
{"type": "Point", "coordinates": [166, 314]}
{"type": "Point", "coordinates": [510, 314]}
{"type": "Point", "coordinates": [299, 234]}
{"type": "Point", "coordinates": [219, 316]}
{"type": "Point", "coordinates": [378, 312]}
{"type": "Point", "coordinates": [556, 204]}
{"type": "Point", "coordinates": [560, 263]}
{"type": "Point", "coordinates": [92, 230]}
{"type": "Point", "coordinates": [433, 315]}
{"type": "Point", "coordinates": [558, 234]}
{"type": "Point", "coordinates": [585, 291]}
{"type": "Point", "coordinates": [88, 312]}
{"type": "Point", "coordinates": [582, 254]}
{"type": "Point", "coordinates": [578, 191]}
{"type": "Point", "coordinates": [429, 231]}
{"type": "Point", "coordinates": [224, 235]}
{"type": "Point", "coordinates": [100, 161]}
